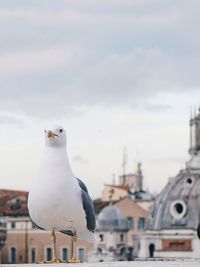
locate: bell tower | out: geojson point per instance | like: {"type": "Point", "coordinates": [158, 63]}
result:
{"type": "Point", "coordinates": [195, 134]}
{"type": "Point", "coordinates": [139, 177]}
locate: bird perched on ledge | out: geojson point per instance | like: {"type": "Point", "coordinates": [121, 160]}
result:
{"type": "Point", "coordinates": [58, 201]}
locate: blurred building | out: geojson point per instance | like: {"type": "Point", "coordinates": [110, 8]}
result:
{"type": "Point", "coordinates": [112, 229]}
{"type": "Point", "coordinates": [3, 235]}
{"type": "Point", "coordinates": [171, 230]}
{"type": "Point", "coordinates": [137, 218]}
{"type": "Point", "coordinates": [129, 185]}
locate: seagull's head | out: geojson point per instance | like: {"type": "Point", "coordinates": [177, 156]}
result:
{"type": "Point", "coordinates": [55, 136]}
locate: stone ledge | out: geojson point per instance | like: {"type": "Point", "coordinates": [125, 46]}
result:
{"type": "Point", "coordinates": [136, 263]}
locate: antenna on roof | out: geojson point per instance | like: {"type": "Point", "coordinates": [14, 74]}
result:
{"type": "Point", "coordinates": [113, 178]}
{"type": "Point", "coordinates": [191, 113]}
{"type": "Point", "coordinates": [195, 111]}
{"type": "Point", "coordinates": [138, 154]}
{"type": "Point", "coordinates": [124, 163]}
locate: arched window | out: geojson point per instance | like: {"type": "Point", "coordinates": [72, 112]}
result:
{"type": "Point", "coordinates": [65, 254]}
{"type": "Point", "coordinates": [122, 251]}
{"type": "Point", "coordinates": [99, 251]}
{"type": "Point", "coordinates": [48, 254]}
{"type": "Point", "coordinates": [151, 250]}
{"type": "Point", "coordinates": [13, 255]}
{"type": "Point", "coordinates": [33, 254]}
{"type": "Point", "coordinates": [101, 237]}
{"type": "Point", "coordinates": [130, 222]}
{"type": "Point", "coordinates": [81, 254]}
{"type": "Point", "coordinates": [122, 238]}
{"type": "Point", "coordinates": [141, 223]}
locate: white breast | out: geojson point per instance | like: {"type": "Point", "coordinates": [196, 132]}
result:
{"type": "Point", "coordinates": [55, 198]}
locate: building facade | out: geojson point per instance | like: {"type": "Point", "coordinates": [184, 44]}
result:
{"type": "Point", "coordinates": [112, 228]}
{"type": "Point", "coordinates": [129, 185]}
{"type": "Point", "coordinates": [26, 244]}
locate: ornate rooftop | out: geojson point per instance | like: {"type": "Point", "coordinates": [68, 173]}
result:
{"type": "Point", "coordinates": [178, 205]}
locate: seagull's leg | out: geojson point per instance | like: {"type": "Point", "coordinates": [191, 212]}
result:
{"type": "Point", "coordinates": [53, 238]}
{"type": "Point", "coordinates": [55, 259]}
{"type": "Point", "coordinates": [74, 259]}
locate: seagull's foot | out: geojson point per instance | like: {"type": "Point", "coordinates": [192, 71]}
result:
{"type": "Point", "coordinates": [73, 261]}
{"type": "Point", "coordinates": [56, 260]}
{"type": "Point", "coordinates": [41, 262]}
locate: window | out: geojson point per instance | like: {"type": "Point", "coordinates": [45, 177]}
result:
{"type": "Point", "coordinates": [49, 254]}
{"type": "Point", "coordinates": [65, 254]}
{"type": "Point", "coordinates": [123, 251]}
{"type": "Point", "coordinates": [33, 254]}
{"type": "Point", "coordinates": [189, 181]}
{"type": "Point", "coordinates": [99, 251]}
{"type": "Point", "coordinates": [130, 222]}
{"type": "Point", "coordinates": [178, 209]}
{"type": "Point", "coordinates": [13, 225]}
{"type": "Point", "coordinates": [81, 254]}
{"type": "Point", "coordinates": [141, 223]}
{"type": "Point", "coordinates": [101, 236]}
{"type": "Point", "coordinates": [121, 238]}
{"type": "Point", "coordinates": [151, 250]}
{"type": "Point", "coordinates": [13, 255]}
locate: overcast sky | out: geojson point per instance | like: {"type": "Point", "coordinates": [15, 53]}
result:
{"type": "Point", "coordinates": [112, 73]}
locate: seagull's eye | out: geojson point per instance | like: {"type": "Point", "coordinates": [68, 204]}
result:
{"type": "Point", "coordinates": [45, 131]}
{"type": "Point", "coordinates": [61, 130]}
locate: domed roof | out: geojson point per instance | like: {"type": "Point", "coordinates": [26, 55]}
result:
{"type": "Point", "coordinates": [178, 205]}
{"type": "Point", "coordinates": [110, 218]}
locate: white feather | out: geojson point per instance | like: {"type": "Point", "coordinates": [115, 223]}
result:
{"type": "Point", "coordinates": [55, 198]}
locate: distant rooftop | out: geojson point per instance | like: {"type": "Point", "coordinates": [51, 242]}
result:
{"type": "Point", "coordinates": [123, 187]}
{"type": "Point", "coordinates": [13, 202]}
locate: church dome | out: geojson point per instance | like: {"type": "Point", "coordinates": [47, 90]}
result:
{"type": "Point", "coordinates": [178, 205]}
{"type": "Point", "coordinates": [111, 219]}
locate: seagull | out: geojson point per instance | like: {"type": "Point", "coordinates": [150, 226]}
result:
{"type": "Point", "coordinates": [58, 201]}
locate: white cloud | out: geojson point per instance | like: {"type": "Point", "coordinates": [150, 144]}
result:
{"type": "Point", "coordinates": [12, 119]}
{"type": "Point", "coordinates": [31, 62]}
{"type": "Point", "coordinates": [113, 72]}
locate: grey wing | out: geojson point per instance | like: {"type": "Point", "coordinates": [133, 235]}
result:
{"type": "Point", "coordinates": [89, 213]}
{"type": "Point", "coordinates": [89, 210]}
{"type": "Point", "coordinates": [82, 185]}
{"type": "Point", "coordinates": [67, 232]}
{"type": "Point", "coordinates": [35, 225]}
{"type": "Point", "coordinates": [198, 231]}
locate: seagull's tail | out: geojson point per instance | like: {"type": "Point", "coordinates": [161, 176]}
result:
{"type": "Point", "coordinates": [89, 236]}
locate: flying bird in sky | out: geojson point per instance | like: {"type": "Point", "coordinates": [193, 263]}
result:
{"type": "Point", "coordinates": [58, 201]}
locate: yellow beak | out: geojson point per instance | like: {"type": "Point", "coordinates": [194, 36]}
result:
{"type": "Point", "coordinates": [51, 134]}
